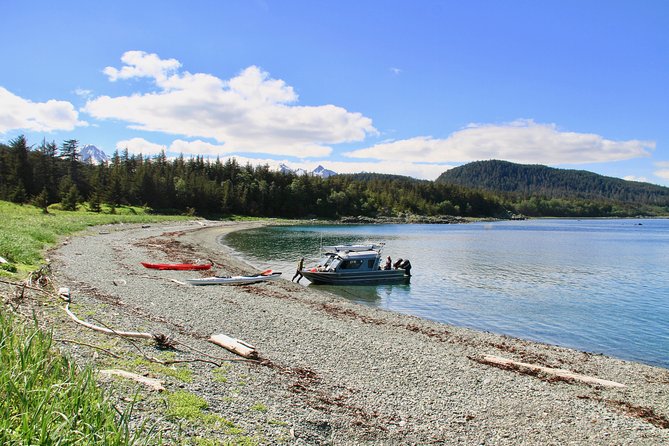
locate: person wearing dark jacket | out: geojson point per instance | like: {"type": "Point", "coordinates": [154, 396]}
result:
{"type": "Point", "coordinates": [298, 273]}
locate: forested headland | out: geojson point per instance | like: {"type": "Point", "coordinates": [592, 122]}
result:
{"type": "Point", "coordinates": [538, 190]}
{"type": "Point", "coordinates": [49, 173]}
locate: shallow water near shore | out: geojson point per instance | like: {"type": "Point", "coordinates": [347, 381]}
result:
{"type": "Point", "coordinates": [595, 285]}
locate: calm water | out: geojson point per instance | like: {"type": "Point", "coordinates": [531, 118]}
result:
{"type": "Point", "coordinates": [594, 285]}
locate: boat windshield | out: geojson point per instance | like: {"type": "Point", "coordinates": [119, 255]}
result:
{"type": "Point", "coordinates": [333, 264]}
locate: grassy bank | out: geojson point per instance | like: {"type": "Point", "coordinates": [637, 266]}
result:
{"type": "Point", "coordinates": [25, 231]}
{"type": "Point", "coordinates": [44, 397]}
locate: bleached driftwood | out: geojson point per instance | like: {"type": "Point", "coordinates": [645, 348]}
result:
{"type": "Point", "coordinates": [562, 373]}
{"type": "Point", "coordinates": [152, 383]}
{"type": "Point", "coordinates": [235, 346]}
{"type": "Point", "coordinates": [125, 334]}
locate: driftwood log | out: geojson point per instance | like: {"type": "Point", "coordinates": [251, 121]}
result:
{"type": "Point", "coordinates": [152, 383]}
{"type": "Point", "coordinates": [125, 334]}
{"type": "Point", "coordinates": [235, 346]}
{"type": "Point", "coordinates": [561, 373]}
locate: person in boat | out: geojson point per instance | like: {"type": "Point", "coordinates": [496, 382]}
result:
{"type": "Point", "coordinates": [389, 263]}
{"type": "Point", "coordinates": [298, 273]}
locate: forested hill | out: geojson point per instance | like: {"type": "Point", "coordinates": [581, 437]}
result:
{"type": "Point", "coordinates": [524, 181]}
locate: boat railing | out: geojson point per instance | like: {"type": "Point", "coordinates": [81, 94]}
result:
{"type": "Point", "coordinates": [354, 248]}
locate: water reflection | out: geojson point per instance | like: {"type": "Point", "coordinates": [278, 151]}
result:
{"type": "Point", "coordinates": [373, 295]}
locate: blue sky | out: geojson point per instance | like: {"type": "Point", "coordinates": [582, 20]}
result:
{"type": "Point", "coordinates": [410, 88]}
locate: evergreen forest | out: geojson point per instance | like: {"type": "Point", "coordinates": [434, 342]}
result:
{"type": "Point", "coordinates": [537, 190]}
{"type": "Point", "coordinates": [49, 173]}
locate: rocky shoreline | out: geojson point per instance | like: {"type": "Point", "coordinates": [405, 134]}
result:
{"type": "Point", "coordinates": [330, 371]}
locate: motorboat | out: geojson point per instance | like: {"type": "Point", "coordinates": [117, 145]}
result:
{"type": "Point", "coordinates": [356, 265]}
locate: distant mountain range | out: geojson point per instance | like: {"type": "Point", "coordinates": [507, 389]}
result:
{"type": "Point", "coordinates": [319, 171]}
{"type": "Point", "coordinates": [92, 155]}
{"type": "Point", "coordinates": [522, 180]}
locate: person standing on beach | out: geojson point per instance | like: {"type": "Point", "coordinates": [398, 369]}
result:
{"type": "Point", "coordinates": [300, 267]}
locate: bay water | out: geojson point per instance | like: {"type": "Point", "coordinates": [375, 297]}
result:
{"type": "Point", "coordinates": [600, 286]}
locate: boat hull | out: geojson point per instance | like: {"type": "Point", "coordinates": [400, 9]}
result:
{"type": "Point", "coordinates": [177, 266]}
{"type": "Point", "coordinates": [354, 278]}
{"type": "Point", "coordinates": [233, 280]}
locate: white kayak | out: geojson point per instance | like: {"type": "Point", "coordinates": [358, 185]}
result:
{"type": "Point", "coordinates": [235, 280]}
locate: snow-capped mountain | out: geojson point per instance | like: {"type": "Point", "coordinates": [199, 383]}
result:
{"type": "Point", "coordinates": [319, 171]}
{"type": "Point", "coordinates": [322, 172]}
{"type": "Point", "coordinates": [91, 154]}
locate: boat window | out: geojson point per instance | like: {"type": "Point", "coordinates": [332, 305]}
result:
{"type": "Point", "coordinates": [333, 265]}
{"type": "Point", "coordinates": [351, 264]}
{"type": "Point", "coordinates": [370, 264]}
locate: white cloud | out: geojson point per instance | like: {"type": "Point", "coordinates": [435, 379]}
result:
{"type": "Point", "coordinates": [522, 141]}
{"type": "Point", "coordinates": [17, 113]}
{"type": "Point", "coordinates": [141, 64]}
{"type": "Point", "coordinates": [662, 173]}
{"type": "Point", "coordinates": [196, 148]}
{"type": "Point", "coordinates": [83, 93]}
{"type": "Point", "coordinates": [249, 113]}
{"type": "Point", "coordinates": [140, 145]}
{"type": "Point", "coordinates": [427, 171]}
{"type": "Point", "coordinates": [211, 151]}
{"type": "Point", "coordinates": [635, 178]}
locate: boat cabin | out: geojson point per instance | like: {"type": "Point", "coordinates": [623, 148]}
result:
{"type": "Point", "coordinates": [348, 261]}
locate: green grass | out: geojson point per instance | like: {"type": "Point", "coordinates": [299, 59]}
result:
{"type": "Point", "coordinates": [140, 365]}
{"type": "Point", "coordinates": [25, 231]}
{"type": "Point", "coordinates": [45, 399]}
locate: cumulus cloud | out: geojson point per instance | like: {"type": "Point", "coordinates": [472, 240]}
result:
{"type": "Point", "coordinates": [522, 141]}
{"type": "Point", "coordinates": [249, 113]}
{"type": "Point", "coordinates": [426, 171]}
{"type": "Point", "coordinates": [208, 150]}
{"type": "Point", "coordinates": [635, 178]}
{"type": "Point", "coordinates": [140, 145]}
{"type": "Point", "coordinates": [141, 64]}
{"type": "Point", "coordinates": [663, 171]}
{"type": "Point", "coordinates": [17, 113]}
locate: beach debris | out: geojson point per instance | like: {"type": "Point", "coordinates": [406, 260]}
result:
{"type": "Point", "coordinates": [152, 383]}
{"type": "Point", "coordinates": [64, 293]}
{"type": "Point", "coordinates": [123, 334]}
{"type": "Point", "coordinates": [3, 260]}
{"type": "Point", "coordinates": [567, 375]}
{"type": "Point", "coordinates": [236, 346]}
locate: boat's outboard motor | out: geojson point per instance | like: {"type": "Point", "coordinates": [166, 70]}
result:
{"type": "Point", "coordinates": [406, 266]}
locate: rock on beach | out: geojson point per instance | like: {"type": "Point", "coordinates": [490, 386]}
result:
{"type": "Point", "coordinates": [331, 371]}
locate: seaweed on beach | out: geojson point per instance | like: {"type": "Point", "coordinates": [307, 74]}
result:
{"type": "Point", "coordinates": [647, 414]}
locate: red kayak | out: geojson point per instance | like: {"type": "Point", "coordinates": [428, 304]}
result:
{"type": "Point", "coordinates": [177, 266]}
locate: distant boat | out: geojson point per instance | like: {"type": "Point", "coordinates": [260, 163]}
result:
{"type": "Point", "coordinates": [235, 280]}
{"type": "Point", "coordinates": [356, 265]}
{"type": "Point", "coordinates": [177, 266]}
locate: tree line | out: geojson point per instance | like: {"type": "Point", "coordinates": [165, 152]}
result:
{"type": "Point", "coordinates": [49, 173]}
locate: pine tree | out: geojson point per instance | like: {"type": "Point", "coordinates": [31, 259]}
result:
{"type": "Point", "coordinates": [71, 199]}
{"type": "Point", "coordinates": [42, 201]}
{"type": "Point", "coordinates": [70, 153]}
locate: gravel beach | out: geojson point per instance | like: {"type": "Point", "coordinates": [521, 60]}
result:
{"type": "Point", "coordinates": [330, 371]}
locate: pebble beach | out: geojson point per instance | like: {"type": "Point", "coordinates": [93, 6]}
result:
{"type": "Point", "coordinates": [329, 371]}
